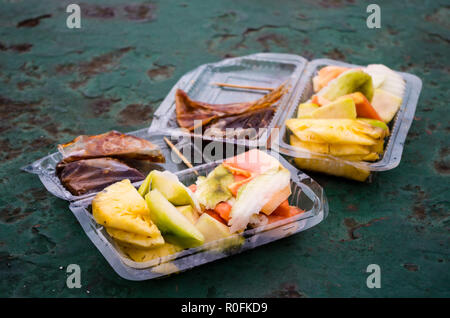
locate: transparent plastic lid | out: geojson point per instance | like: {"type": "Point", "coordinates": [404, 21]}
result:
{"type": "Point", "coordinates": [45, 167]}
{"type": "Point", "coordinates": [306, 194]}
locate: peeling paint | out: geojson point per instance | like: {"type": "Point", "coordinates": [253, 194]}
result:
{"type": "Point", "coordinates": [32, 22]}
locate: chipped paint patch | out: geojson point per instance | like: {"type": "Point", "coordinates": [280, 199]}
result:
{"type": "Point", "coordinates": [135, 114]}
{"type": "Point", "coordinates": [352, 226]}
{"type": "Point", "coordinates": [97, 65]}
{"type": "Point", "coordinates": [18, 48]}
{"type": "Point", "coordinates": [442, 164]}
{"type": "Point", "coordinates": [11, 215]}
{"type": "Point", "coordinates": [411, 267]}
{"type": "Point", "coordinates": [287, 290]}
{"type": "Point", "coordinates": [139, 12]}
{"type": "Point", "coordinates": [102, 106]}
{"type": "Point", "coordinates": [32, 22]}
{"type": "Point", "coordinates": [161, 72]}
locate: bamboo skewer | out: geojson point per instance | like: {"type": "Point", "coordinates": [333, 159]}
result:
{"type": "Point", "coordinates": [179, 154]}
{"type": "Point", "coordinates": [244, 86]}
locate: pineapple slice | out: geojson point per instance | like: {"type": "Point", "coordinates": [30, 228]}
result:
{"type": "Point", "coordinates": [333, 167]}
{"type": "Point", "coordinates": [347, 150]}
{"type": "Point", "coordinates": [308, 137]}
{"type": "Point", "coordinates": [331, 149]}
{"type": "Point", "coordinates": [310, 146]}
{"type": "Point", "coordinates": [121, 207]}
{"type": "Point", "coordinates": [147, 254]}
{"type": "Point", "coordinates": [134, 239]}
{"type": "Point", "coordinates": [378, 147]}
{"type": "Point", "coordinates": [369, 157]}
{"type": "Point", "coordinates": [339, 131]}
{"type": "Point", "coordinates": [341, 135]}
{"type": "Point", "coordinates": [122, 196]}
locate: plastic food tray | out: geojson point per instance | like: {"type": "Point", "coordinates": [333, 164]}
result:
{"type": "Point", "coordinates": [261, 69]}
{"type": "Point", "coordinates": [306, 194]}
{"type": "Point", "coordinates": [399, 126]}
{"type": "Point", "coordinates": [45, 167]}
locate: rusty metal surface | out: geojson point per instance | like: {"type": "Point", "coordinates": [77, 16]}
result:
{"type": "Point", "coordinates": [57, 83]}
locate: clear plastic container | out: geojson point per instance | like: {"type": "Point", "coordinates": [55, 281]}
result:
{"type": "Point", "coordinates": [399, 127]}
{"type": "Point", "coordinates": [46, 166]}
{"type": "Point", "coordinates": [261, 69]}
{"type": "Point", "coordinates": [306, 194]}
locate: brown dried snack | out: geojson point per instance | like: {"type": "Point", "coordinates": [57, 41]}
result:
{"type": "Point", "coordinates": [188, 110]}
{"type": "Point", "coordinates": [243, 126]}
{"type": "Point", "coordinates": [110, 144]}
{"type": "Point", "coordinates": [92, 175]}
{"type": "Point", "coordinates": [253, 119]}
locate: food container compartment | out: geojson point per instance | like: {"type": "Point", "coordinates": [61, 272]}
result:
{"type": "Point", "coordinates": [45, 167]}
{"type": "Point", "coordinates": [398, 127]}
{"type": "Point", "coordinates": [262, 69]}
{"type": "Point", "coordinates": [306, 194]}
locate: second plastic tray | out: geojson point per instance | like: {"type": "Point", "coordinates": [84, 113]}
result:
{"type": "Point", "coordinates": [262, 69]}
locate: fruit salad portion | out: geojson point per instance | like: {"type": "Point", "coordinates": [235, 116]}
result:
{"type": "Point", "coordinates": [346, 118]}
{"type": "Point", "coordinates": [164, 216]}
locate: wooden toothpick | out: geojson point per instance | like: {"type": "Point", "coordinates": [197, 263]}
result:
{"type": "Point", "coordinates": [244, 86]}
{"type": "Point", "coordinates": [179, 154]}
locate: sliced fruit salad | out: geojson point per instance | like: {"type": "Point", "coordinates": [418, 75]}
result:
{"type": "Point", "coordinates": [346, 118]}
{"type": "Point", "coordinates": [164, 216]}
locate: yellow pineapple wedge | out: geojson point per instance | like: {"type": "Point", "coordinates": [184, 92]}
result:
{"type": "Point", "coordinates": [333, 167]}
{"type": "Point", "coordinates": [348, 150]}
{"type": "Point", "coordinates": [134, 239]}
{"type": "Point", "coordinates": [337, 131]}
{"type": "Point", "coordinates": [378, 147]}
{"type": "Point", "coordinates": [147, 254]}
{"type": "Point", "coordinates": [369, 157]}
{"type": "Point", "coordinates": [330, 165]}
{"type": "Point", "coordinates": [331, 149]}
{"type": "Point", "coordinates": [121, 207]}
{"type": "Point", "coordinates": [309, 146]}
{"type": "Point", "coordinates": [341, 136]}
{"type": "Point", "coordinates": [119, 196]}
{"type": "Point", "coordinates": [309, 137]}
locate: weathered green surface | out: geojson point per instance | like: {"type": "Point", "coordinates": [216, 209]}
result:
{"type": "Point", "coordinates": [57, 83]}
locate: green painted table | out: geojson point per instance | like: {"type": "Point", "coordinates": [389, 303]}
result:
{"type": "Point", "coordinates": [57, 83]}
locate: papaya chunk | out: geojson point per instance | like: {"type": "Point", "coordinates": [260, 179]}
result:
{"type": "Point", "coordinates": [363, 107]}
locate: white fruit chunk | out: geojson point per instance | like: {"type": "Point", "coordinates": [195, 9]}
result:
{"type": "Point", "coordinates": [386, 104]}
{"type": "Point", "coordinates": [392, 83]}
